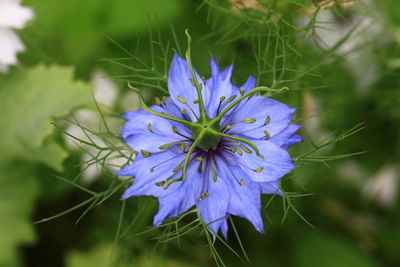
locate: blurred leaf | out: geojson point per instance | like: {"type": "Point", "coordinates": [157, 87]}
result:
{"type": "Point", "coordinates": [30, 100]}
{"type": "Point", "coordinates": [127, 17]}
{"type": "Point", "coordinates": [105, 255]}
{"type": "Point", "coordinates": [320, 249]}
{"type": "Point", "coordinates": [18, 191]}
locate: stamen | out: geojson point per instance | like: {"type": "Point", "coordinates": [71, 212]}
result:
{"type": "Point", "coordinates": [241, 182]}
{"type": "Point", "coordinates": [183, 111]}
{"type": "Point", "coordinates": [171, 144]}
{"type": "Point", "coordinates": [196, 101]}
{"type": "Point", "coordinates": [182, 147]}
{"type": "Point", "coordinates": [249, 120]}
{"type": "Point", "coordinates": [259, 169]}
{"type": "Point", "coordinates": [201, 166]}
{"type": "Point", "coordinates": [267, 134]}
{"type": "Point", "coordinates": [160, 114]}
{"type": "Point", "coordinates": [203, 195]}
{"type": "Point", "coordinates": [163, 182]}
{"type": "Point", "coordinates": [231, 98]}
{"type": "Point", "coordinates": [182, 100]}
{"type": "Point", "coordinates": [214, 172]}
{"type": "Point", "coordinates": [267, 120]}
{"type": "Point", "coordinates": [145, 153]}
{"type": "Point", "coordinates": [186, 161]}
{"type": "Point", "coordinates": [150, 127]}
{"type": "Point", "coordinates": [175, 130]}
{"type": "Point", "coordinates": [245, 149]}
{"type": "Point", "coordinates": [165, 161]}
{"type": "Point", "coordinates": [157, 101]}
{"type": "Point", "coordinates": [249, 143]}
{"type": "Point", "coordinates": [241, 90]}
{"type": "Point", "coordinates": [199, 159]}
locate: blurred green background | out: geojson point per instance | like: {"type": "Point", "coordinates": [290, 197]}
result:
{"type": "Point", "coordinates": [340, 59]}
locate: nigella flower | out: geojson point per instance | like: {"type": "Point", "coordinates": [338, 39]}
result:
{"type": "Point", "coordinates": [12, 16]}
{"type": "Point", "coordinates": [211, 145]}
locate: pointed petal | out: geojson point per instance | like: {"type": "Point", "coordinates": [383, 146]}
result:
{"type": "Point", "coordinates": [174, 204]}
{"type": "Point", "coordinates": [270, 115]}
{"type": "Point", "coordinates": [224, 229]}
{"type": "Point", "coordinates": [270, 188]}
{"type": "Point", "coordinates": [249, 84]}
{"type": "Point", "coordinates": [212, 208]}
{"type": "Point", "coordinates": [286, 137]}
{"type": "Point", "coordinates": [137, 135]}
{"type": "Point", "coordinates": [245, 200]}
{"type": "Point", "coordinates": [180, 85]}
{"type": "Point", "coordinates": [219, 85]}
{"type": "Point", "coordinates": [276, 164]}
{"type": "Point", "coordinates": [150, 170]}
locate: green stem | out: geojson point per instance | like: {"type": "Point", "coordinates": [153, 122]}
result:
{"type": "Point", "coordinates": [253, 91]}
{"type": "Point", "coordinates": [163, 115]}
{"type": "Point", "coordinates": [196, 82]}
{"type": "Point", "coordinates": [249, 143]}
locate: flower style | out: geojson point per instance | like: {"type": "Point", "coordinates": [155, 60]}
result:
{"type": "Point", "coordinates": [210, 144]}
{"type": "Point", "coordinates": [12, 16]}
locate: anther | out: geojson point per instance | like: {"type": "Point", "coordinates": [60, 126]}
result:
{"type": "Point", "coordinates": [164, 146]}
{"type": "Point", "coordinates": [145, 153]}
{"type": "Point", "coordinates": [151, 170]}
{"type": "Point", "coordinates": [196, 101]}
{"type": "Point", "coordinates": [241, 182]}
{"type": "Point", "coordinates": [164, 99]}
{"type": "Point", "coordinates": [267, 134]}
{"type": "Point", "coordinates": [200, 169]}
{"type": "Point", "coordinates": [245, 149]}
{"type": "Point", "coordinates": [192, 81]}
{"type": "Point", "coordinates": [157, 101]}
{"type": "Point", "coordinates": [183, 147]}
{"type": "Point", "coordinates": [241, 91]}
{"type": "Point", "coordinates": [228, 127]}
{"type": "Point", "coordinates": [231, 98]}
{"type": "Point", "coordinates": [235, 150]}
{"type": "Point", "coordinates": [214, 173]}
{"type": "Point", "coordinates": [222, 98]}
{"type": "Point", "coordinates": [161, 183]}
{"type": "Point", "coordinates": [174, 129]}
{"type": "Point", "coordinates": [249, 120]}
{"type": "Point", "coordinates": [183, 111]}
{"type": "Point", "coordinates": [199, 159]}
{"type": "Point", "coordinates": [267, 120]}
{"type": "Point", "coordinates": [203, 195]}
{"type": "Point", "coordinates": [182, 100]}
{"type": "Point", "coordinates": [150, 127]}
{"type": "Point", "coordinates": [258, 170]}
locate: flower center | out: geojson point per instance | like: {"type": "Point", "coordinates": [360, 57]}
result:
{"type": "Point", "coordinates": [205, 129]}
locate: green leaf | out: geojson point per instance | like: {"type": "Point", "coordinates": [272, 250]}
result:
{"type": "Point", "coordinates": [31, 99]}
{"type": "Point", "coordinates": [18, 190]}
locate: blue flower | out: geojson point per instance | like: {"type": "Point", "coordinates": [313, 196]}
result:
{"type": "Point", "coordinates": [211, 145]}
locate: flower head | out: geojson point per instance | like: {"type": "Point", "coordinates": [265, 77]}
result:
{"type": "Point", "coordinates": [12, 16]}
{"type": "Point", "coordinates": [211, 145]}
